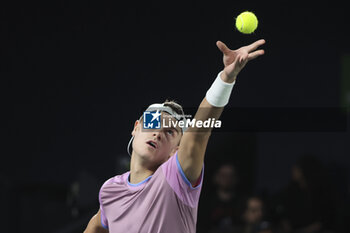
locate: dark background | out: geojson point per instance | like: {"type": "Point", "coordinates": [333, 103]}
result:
{"type": "Point", "coordinates": [75, 76]}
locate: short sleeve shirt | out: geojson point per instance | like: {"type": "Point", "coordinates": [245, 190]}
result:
{"type": "Point", "coordinates": [165, 202]}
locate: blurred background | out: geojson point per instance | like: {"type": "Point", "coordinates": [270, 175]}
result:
{"type": "Point", "coordinates": [75, 75]}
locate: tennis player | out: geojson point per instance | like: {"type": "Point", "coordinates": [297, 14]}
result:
{"type": "Point", "coordinates": [161, 191]}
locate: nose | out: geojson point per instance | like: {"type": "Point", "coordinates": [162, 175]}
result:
{"type": "Point", "coordinates": [157, 135]}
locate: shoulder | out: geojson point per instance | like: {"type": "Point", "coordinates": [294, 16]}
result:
{"type": "Point", "coordinates": [179, 183]}
{"type": "Point", "coordinates": [115, 180]}
{"type": "Point", "coordinates": [173, 170]}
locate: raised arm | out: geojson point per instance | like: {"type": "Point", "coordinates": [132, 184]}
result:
{"type": "Point", "coordinates": [194, 142]}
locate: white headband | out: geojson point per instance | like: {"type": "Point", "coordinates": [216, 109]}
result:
{"type": "Point", "coordinates": [161, 108]}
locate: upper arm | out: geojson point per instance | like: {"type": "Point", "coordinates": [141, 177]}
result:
{"type": "Point", "coordinates": [95, 225]}
{"type": "Point", "coordinates": [194, 142]}
{"type": "Point", "coordinates": [191, 157]}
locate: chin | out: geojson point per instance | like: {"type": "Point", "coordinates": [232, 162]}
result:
{"type": "Point", "coordinates": [147, 154]}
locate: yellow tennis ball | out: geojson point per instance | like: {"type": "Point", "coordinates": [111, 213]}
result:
{"type": "Point", "coordinates": [246, 22]}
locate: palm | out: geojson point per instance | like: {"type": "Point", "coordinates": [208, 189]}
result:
{"type": "Point", "coordinates": [235, 60]}
{"type": "Point", "coordinates": [231, 64]}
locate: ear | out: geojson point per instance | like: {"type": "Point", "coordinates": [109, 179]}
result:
{"type": "Point", "coordinates": [136, 126]}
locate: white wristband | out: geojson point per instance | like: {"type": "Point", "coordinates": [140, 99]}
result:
{"type": "Point", "coordinates": [219, 93]}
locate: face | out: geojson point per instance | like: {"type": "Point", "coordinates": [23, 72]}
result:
{"type": "Point", "coordinates": [297, 174]}
{"type": "Point", "coordinates": [155, 146]}
{"type": "Point", "coordinates": [254, 211]}
{"type": "Point", "coordinates": [226, 177]}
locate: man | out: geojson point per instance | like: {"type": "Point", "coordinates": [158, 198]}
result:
{"type": "Point", "coordinates": [161, 191]}
{"type": "Point", "coordinates": [219, 213]}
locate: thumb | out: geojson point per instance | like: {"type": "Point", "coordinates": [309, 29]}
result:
{"type": "Point", "coordinates": [223, 48]}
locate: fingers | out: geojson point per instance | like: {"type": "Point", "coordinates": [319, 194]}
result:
{"type": "Point", "coordinates": [255, 54]}
{"type": "Point", "coordinates": [223, 48]}
{"type": "Point", "coordinates": [255, 45]}
{"type": "Point", "coordinates": [242, 57]}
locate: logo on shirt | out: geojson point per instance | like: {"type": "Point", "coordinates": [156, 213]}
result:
{"type": "Point", "coordinates": [151, 120]}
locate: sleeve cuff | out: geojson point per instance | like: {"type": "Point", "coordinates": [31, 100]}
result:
{"type": "Point", "coordinates": [199, 181]}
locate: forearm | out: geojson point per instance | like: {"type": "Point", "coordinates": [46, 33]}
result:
{"type": "Point", "coordinates": [196, 138]}
{"type": "Point", "coordinates": [205, 111]}
{"type": "Point", "coordinates": [211, 108]}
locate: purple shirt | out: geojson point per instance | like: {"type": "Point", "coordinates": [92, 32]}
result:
{"type": "Point", "coordinates": [163, 202]}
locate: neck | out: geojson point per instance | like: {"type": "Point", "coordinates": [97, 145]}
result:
{"type": "Point", "coordinates": [138, 171]}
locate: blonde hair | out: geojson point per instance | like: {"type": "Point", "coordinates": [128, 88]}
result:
{"type": "Point", "coordinates": [176, 107]}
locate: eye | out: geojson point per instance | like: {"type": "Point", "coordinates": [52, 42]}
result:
{"type": "Point", "coordinates": [170, 132]}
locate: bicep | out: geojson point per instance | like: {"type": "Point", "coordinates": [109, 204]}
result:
{"type": "Point", "coordinates": [95, 225]}
{"type": "Point", "coordinates": [194, 142]}
{"type": "Point", "coordinates": [191, 156]}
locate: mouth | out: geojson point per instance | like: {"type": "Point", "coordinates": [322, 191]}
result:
{"type": "Point", "coordinates": [152, 144]}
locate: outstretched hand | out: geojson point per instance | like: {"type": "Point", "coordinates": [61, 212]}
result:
{"type": "Point", "coordinates": [235, 60]}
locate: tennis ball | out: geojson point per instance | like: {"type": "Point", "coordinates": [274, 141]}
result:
{"type": "Point", "coordinates": [246, 22]}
